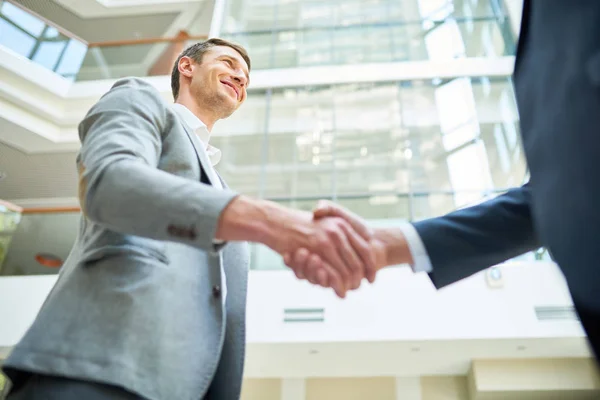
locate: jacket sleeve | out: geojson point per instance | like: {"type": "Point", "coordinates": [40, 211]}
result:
{"type": "Point", "coordinates": [120, 186]}
{"type": "Point", "coordinates": [469, 240]}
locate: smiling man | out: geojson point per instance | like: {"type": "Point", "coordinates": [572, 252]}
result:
{"type": "Point", "coordinates": [151, 302]}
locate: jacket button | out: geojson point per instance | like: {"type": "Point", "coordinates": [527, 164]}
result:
{"type": "Point", "coordinates": [172, 230]}
{"type": "Point", "coordinates": [216, 291]}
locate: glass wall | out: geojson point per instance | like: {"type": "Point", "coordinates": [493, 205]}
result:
{"type": "Point", "coordinates": [289, 33]}
{"type": "Point", "coordinates": [442, 143]}
{"type": "Point", "coordinates": [391, 152]}
{"type": "Point", "coordinates": [292, 33]}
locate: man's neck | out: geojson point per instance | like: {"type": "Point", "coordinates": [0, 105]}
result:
{"type": "Point", "coordinates": [202, 113]}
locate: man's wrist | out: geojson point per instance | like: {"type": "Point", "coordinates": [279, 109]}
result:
{"type": "Point", "coordinates": [396, 247]}
{"type": "Point", "coordinates": [252, 220]}
{"type": "Point", "coordinates": [244, 219]}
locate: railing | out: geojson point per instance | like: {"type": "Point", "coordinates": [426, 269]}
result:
{"type": "Point", "coordinates": [45, 235]}
{"type": "Point", "coordinates": [140, 57]}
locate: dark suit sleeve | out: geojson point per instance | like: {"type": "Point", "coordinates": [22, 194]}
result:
{"type": "Point", "coordinates": [469, 240]}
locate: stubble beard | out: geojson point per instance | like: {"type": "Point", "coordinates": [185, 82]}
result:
{"type": "Point", "coordinates": [219, 103]}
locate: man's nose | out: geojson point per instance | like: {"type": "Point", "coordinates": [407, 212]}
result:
{"type": "Point", "coordinates": [240, 77]}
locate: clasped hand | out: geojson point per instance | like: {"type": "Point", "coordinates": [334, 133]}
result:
{"type": "Point", "coordinates": [340, 253]}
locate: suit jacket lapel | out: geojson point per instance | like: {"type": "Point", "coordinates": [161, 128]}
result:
{"type": "Point", "coordinates": [200, 153]}
{"type": "Point", "coordinates": [223, 184]}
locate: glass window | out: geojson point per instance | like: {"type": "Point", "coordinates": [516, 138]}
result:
{"type": "Point", "coordinates": [259, 47]}
{"type": "Point", "coordinates": [23, 19]}
{"type": "Point", "coordinates": [485, 38]}
{"type": "Point", "coordinates": [428, 205]}
{"type": "Point", "coordinates": [241, 139]}
{"type": "Point", "coordinates": [310, 32]}
{"type": "Point", "coordinates": [379, 207]}
{"type": "Point", "coordinates": [249, 15]}
{"type": "Point", "coordinates": [48, 53]}
{"type": "Point", "coordinates": [369, 142]}
{"type": "Point", "coordinates": [15, 39]}
{"type": "Point", "coordinates": [300, 143]}
{"type": "Point", "coordinates": [285, 53]}
{"type": "Point", "coordinates": [444, 41]}
{"type": "Point", "coordinates": [362, 44]}
{"type": "Point", "coordinates": [315, 47]}
{"type": "Point", "coordinates": [53, 33]}
{"type": "Point", "coordinates": [465, 154]}
{"type": "Point", "coordinates": [421, 132]}
{"type": "Point", "coordinates": [403, 150]}
{"type": "Point", "coordinates": [314, 13]}
{"type": "Point", "coordinates": [499, 125]}
{"type": "Point", "coordinates": [72, 58]}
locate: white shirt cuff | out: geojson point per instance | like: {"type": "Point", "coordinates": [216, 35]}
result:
{"type": "Point", "coordinates": [422, 262]}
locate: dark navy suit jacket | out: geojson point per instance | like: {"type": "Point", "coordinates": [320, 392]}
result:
{"type": "Point", "coordinates": [469, 240]}
{"type": "Point", "coordinates": [557, 85]}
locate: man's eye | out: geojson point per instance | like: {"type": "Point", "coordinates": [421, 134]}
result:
{"type": "Point", "coordinates": [228, 62]}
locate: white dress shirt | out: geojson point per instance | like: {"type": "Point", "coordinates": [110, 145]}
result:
{"type": "Point", "coordinates": [422, 262]}
{"type": "Point", "coordinates": [214, 155]}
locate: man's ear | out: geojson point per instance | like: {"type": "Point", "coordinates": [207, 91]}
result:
{"type": "Point", "coordinates": [185, 66]}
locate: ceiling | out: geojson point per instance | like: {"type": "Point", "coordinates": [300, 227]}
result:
{"type": "Point", "coordinates": [28, 176]}
{"type": "Point", "coordinates": [102, 8]}
{"type": "Point", "coordinates": [404, 358]}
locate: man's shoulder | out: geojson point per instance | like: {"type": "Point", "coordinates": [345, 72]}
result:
{"type": "Point", "coordinates": [137, 85]}
{"type": "Point", "coordinates": [135, 90]}
{"type": "Point", "coordinates": [134, 82]}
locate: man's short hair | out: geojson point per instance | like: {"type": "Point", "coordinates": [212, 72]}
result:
{"type": "Point", "coordinates": [196, 52]}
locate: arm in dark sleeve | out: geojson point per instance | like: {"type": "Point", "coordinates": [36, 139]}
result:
{"type": "Point", "coordinates": [469, 240]}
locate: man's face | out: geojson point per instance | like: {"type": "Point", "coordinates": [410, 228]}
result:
{"type": "Point", "coordinates": [220, 80]}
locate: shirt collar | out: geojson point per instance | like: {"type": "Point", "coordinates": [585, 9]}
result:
{"type": "Point", "coordinates": [199, 128]}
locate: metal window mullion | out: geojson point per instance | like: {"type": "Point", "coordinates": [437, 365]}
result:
{"type": "Point", "coordinates": [17, 26]}
{"type": "Point", "coordinates": [61, 56]}
{"type": "Point", "coordinates": [274, 30]}
{"type": "Point", "coordinates": [410, 195]}
{"type": "Point", "coordinates": [265, 145]}
{"type": "Point", "coordinates": [38, 42]}
{"type": "Point", "coordinates": [334, 175]}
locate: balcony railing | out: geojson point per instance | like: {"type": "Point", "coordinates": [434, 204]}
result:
{"type": "Point", "coordinates": [45, 235]}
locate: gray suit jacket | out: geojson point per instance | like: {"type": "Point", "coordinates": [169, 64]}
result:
{"type": "Point", "coordinates": [138, 301]}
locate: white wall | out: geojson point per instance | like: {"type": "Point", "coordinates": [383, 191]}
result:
{"type": "Point", "coordinates": [403, 306]}
{"type": "Point", "coordinates": [398, 306]}
{"type": "Point", "coordinates": [20, 301]}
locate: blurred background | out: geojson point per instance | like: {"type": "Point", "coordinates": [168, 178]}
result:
{"type": "Point", "coordinates": [397, 109]}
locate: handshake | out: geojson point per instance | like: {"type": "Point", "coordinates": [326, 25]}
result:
{"type": "Point", "coordinates": [334, 248]}
{"type": "Point", "coordinates": [331, 247]}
